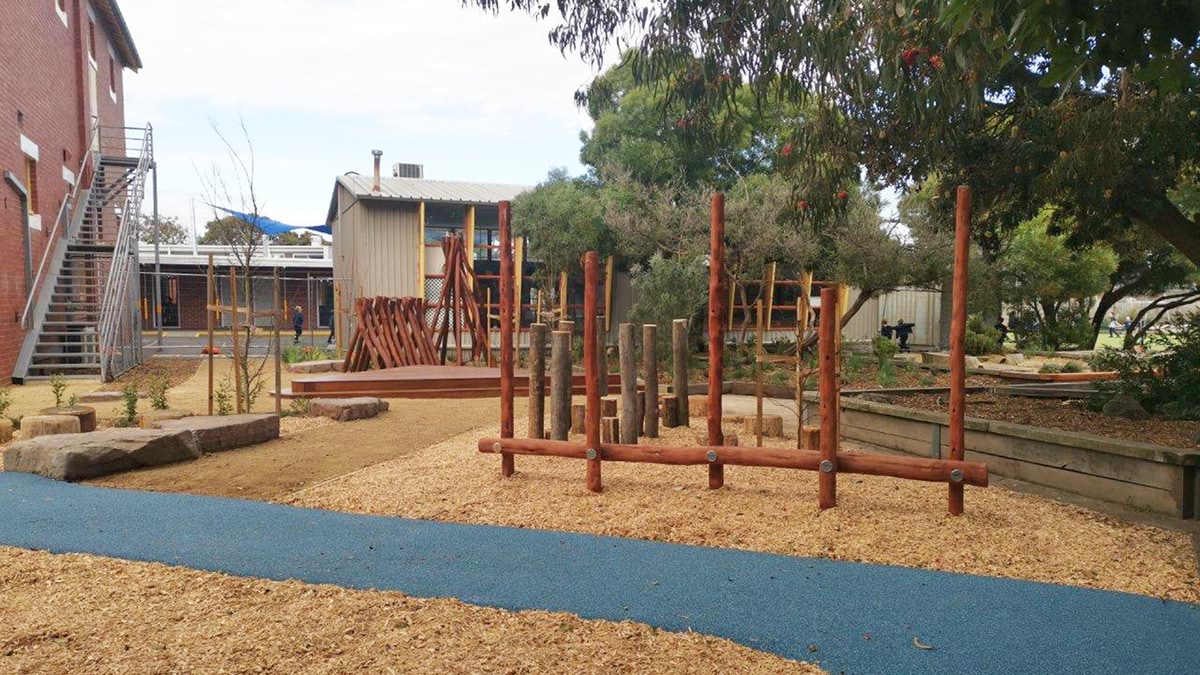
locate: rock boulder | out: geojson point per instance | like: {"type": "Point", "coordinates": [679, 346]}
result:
{"type": "Point", "coordinates": [1127, 407]}
{"type": "Point", "coordinates": [79, 456]}
{"type": "Point", "coordinates": [229, 432]}
{"type": "Point", "coordinates": [347, 409]}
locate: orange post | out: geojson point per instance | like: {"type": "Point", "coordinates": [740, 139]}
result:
{"type": "Point", "coordinates": [958, 339]}
{"type": "Point", "coordinates": [828, 358]}
{"type": "Point", "coordinates": [716, 335]}
{"type": "Point", "coordinates": [591, 370]}
{"type": "Point", "coordinates": [506, 335]}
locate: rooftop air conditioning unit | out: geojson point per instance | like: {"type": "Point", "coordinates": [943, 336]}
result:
{"type": "Point", "coordinates": [408, 170]}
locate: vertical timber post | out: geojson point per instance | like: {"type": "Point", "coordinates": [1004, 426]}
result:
{"type": "Point", "coordinates": [958, 340]}
{"type": "Point", "coordinates": [828, 358]}
{"type": "Point", "coordinates": [626, 344]}
{"type": "Point", "coordinates": [537, 380]}
{"type": "Point", "coordinates": [212, 300]}
{"type": "Point", "coordinates": [758, 374]}
{"type": "Point", "coordinates": [233, 333]}
{"type": "Point", "coordinates": [506, 336]}
{"type": "Point", "coordinates": [278, 344]}
{"type": "Point", "coordinates": [716, 335]}
{"type": "Point", "coordinates": [679, 370]}
{"type": "Point", "coordinates": [560, 385]}
{"type": "Point", "coordinates": [591, 329]}
{"type": "Point", "coordinates": [650, 364]}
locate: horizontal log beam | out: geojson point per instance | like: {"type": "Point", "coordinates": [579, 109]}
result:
{"type": "Point", "coordinates": [872, 464]}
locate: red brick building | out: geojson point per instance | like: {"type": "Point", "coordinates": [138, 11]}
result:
{"type": "Point", "coordinates": [61, 66]}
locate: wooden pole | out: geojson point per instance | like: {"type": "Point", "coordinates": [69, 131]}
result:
{"type": "Point", "coordinates": [506, 335]}
{"type": "Point", "coordinates": [487, 312]}
{"type": "Point", "coordinates": [602, 357]}
{"type": "Point", "coordinates": [958, 339]}
{"type": "Point", "coordinates": [212, 300]}
{"type": "Point", "coordinates": [679, 367]}
{"type": "Point", "coordinates": [562, 297]}
{"type": "Point", "coordinates": [237, 378]}
{"type": "Point", "coordinates": [537, 380]}
{"type": "Point", "coordinates": [716, 334]}
{"type": "Point", "coordinates": [827, 349]}
{"type": "Point", "coordinates": [609, 268]}
{"type": "Point", "coordinates": [803, 313]}
{"type": "Point", "coordinates": [592, 376]}
{"type": "Point", "coordinates": [278, 346]}
{"type": "Point", "coordinates": [628, 355]}
{"type": "Point", "coordinates": [770, 293]}
{"type": "Point", "coordinates": [871, 464]}
{"type": "Point", "coordinates": [758, 375]}
{"type": "Point", "coordinates": [650, 365]}
{"type": "Point", "coordinates": [338, 328]}
{"type": "Point", "coordinates": [560, 384]}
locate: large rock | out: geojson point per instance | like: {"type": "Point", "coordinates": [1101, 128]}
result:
{"type": "Point", "coordinates": [34, 426]}
{"type": "Point", "coordinates": [100, 397]}
{"type": "Point", "coordinates": [80, 456]}
{"type": "Point", "coordinates": [1014, 359]}
{"type": "Point", "coordinates": [229, 432]}
{"type": "Point", "coordinates": [1127, 407]}
{"type": "Point", "coordinates": [346, 409]}
{"type": "Point", "coordinates": [151, 418]}
{"type": "Point", "coordinates": [314, 366]}
{"type": "Point", "coordinates": [942, 359]}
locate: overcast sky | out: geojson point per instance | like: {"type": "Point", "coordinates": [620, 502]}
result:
{"type": "Point", "coordinates": [320, 83]}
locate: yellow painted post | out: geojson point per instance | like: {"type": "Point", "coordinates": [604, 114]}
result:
{"type": "Point", "coordinates": [609, 266]}
{"type": "Point", "coordinates": [470, 241]}
{"type": "Point", "coordinates": [518, 289]}
{"type": "Point", "coordinates": [562, 296]}
{"type": "Point", "coordinates": [420, 251]}
{"type": "Point", "coordinates": [770, 293]}
{"type": "Point", "coordinates": [732, 289]}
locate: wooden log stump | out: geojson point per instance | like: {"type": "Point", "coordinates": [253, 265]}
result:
{"type": "Point", "coordinates": [697, 406]}
{"type": "Point", "coordinates": [560, 386]}
{"type": "Point", "coordinates": [33, 426]}
{"type": "Point", "coordinates": [650, 395]}
{"type": "Point", "coordinates": [627, 351]}
{"type": "Point", "coordinates": [578, 417]}
{"type": "Point", "coordinates": [731, 438]}
{"type": "Point", "coordinates": [6, 430]}
{"type": "Point", "coordinates": [679, 376]}
{"type": "Point", "coordinates": [608, 407]}
{"type": "Point", "coordinates": [537, 380]}
{"type": "Point", "coordinates": [772, 426]}
{"type": "Point", "coordinates": [810, 438]}
{"type": "Point", "coordinates": [610, 429]}
{"type": "Point", "coordinates": [86, 415]}
{"type": "Point", "coordinates": [668, 410]}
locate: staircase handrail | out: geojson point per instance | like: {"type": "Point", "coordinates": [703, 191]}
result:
{"type": "Point", "coordinates": [66, 213]}
{"type": "Point", "coordinates": [116, 287]}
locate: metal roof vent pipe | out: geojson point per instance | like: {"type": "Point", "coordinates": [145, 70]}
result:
{"type": "Point", "coordinates": [377, 154]}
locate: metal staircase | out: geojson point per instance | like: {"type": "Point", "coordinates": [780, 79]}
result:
{"type": "Point", "coordinates": [82, 318]}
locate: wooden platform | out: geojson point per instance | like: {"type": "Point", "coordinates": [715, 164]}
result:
{"type": "Point", "coordinates": [421, 382]}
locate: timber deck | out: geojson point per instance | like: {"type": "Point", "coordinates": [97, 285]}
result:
{"type": "Point", "coordinates": [422, 382]}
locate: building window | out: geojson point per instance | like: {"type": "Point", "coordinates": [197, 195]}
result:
{"type": "Point", "coordinates": [31, 184]}
{"type": "Point", "coordinates": [91, 40]}
{"type": "Point", "coordinates": [60, 8]}
{"type": "Point", "coordinates": [112, 76]}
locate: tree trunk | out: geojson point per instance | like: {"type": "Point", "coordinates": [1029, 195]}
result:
{"type": "Point", "coordinates": [1177, 229]}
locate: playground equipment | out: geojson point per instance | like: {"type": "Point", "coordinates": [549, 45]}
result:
{"type": "Point", "coordinates": [828, 461]}
{"type": "Point", "coordinates": [389, 332]}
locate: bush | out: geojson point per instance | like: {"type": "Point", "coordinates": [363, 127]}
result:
{"type": "Point", "coordinates": [58, 385]}
{"type": "Point", "coordinates": [5, 400]}
{"type": "Point", "coordinates": [223, 398]}
{"type": "Point", "coordinates": [1164, 378]}
{"type": "Point", "coordinates": [668, 289]}
{"type": "Point", "coordinates": [1072, 367]}
{"type": "Point", "coordinates": [301, 353]}
{"type": "Point", "coordinates": [1051, 369]}
{"type": "Point", "coordinates": [156, 390]}
{"type": "Point", "coordinates": [299, 407]}
{"type": "Point", "coordinates": [129, 396]}
{"type": "Point", "coordinates": [884, 349]}
{"type": "Point", "coordinates": [886, 376]}
{"type": "Point", "coordinates": [981, 340]}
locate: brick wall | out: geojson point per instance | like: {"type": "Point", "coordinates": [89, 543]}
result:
{"type": "Point", "coordinates": [43, 97]}
{"type": "Point", "coordinates": [193, 286]}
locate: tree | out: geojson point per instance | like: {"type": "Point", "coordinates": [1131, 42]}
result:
{"type": "Point", "coordinates": [291, 239]}
{"type": "Point", "coordinates": [170, 232]}
{"type": "Point", "coordinates": [1053, 285]}
{"type": "Point", "coordinates": [1146, 265]}
{"type": "Point", "coordinates": [230, 231]}
{"type": "Point", "coordinates": [1090, 107]}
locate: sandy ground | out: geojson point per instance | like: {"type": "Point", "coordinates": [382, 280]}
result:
{"type": "Point", "coordinates": [878, 520]}
{"type": "Point", "coordinates": [84, 614]}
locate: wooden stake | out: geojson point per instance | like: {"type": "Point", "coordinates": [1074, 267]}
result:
{"type": "Point", "coordinates": [609, 267]}
{"type": "Point", "coordinates": [278, 346]}
{"type": "Point", "coordinates": [770, 293]}
{"type": "Point", "coordinates": [679, 375]}
{"type": "Point", "coordinates": [758, 374]}
{"type": "Point", "coordinates": [237, 378]}
{"type": "Point", "coordinates": [506, 335]}
{"type": "Point", "coordinates": [591, 369]}
{"type": "Point", "coordinates": [627, 351]}
{"type": "Point", "coordinates": [650, 365]}
{"type": "Point", "coordinates": [208, 313]}
{"type": "Point", "coordinates": [958, 340]}
{"type": "Point", "coordinates": [716, 334]}
{"type": "Point", "coordinates": [537, 380]}
{"type": "Point", "coordinates": [560, 385]}
{"type": "Point", "coordinates": [827, 348]}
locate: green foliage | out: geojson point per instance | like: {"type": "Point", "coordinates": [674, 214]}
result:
{"type": "Point", "coordinates": [779, 377]}
{"type": "Point", "coordinates": [252, 393]}
{"type": "Point", "coordinates": [886, 376]}
{"type": "Point", "coordinates": [72, 400]}
{"type": "Point", "coordinates": [927, 380]}
{"type": "Point", "coordinates": [58, 386]}
{"type": "Point", "coordinates": [223, 397]}
{"type": "Point", "coordinates": [156, 391]}
{"type": "Point", "coordinates": [1164, 377]}
{"type": "Point", "coordinates": [299, 407]}
{"type": "Point", "coordinates": [129, 400]}
{"type": "Point", "coordinates": [668, 289]}
{"type": "Point", "coordinates": [884, 349]}
{"type": "Point", "coordinates": [230, 231]}
{"type": "Point", "coordinates": [291, 239]}
{"type": "Point", "coordinates": [301, 353]}
{"type": "Point", "coordinates": [1050, 368]}
{"type": "Point", "coordinates": [5, 400]}
{"type": "Point", "coordinates": [1071, 367]}
{"type": "Point", "coordinates": [981, 338]}
{"type": "Point", "coordinates": [170, 232]}
{"type": "Point", "coordinates": [563, 219]}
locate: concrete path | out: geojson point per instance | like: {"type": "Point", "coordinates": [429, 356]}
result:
{"type": "Point", "coordinates": [849, 617]}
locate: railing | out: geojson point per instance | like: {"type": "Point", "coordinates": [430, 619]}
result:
{"type": "Point", "coordinates": [119, 341]}
{"type": "Point", "coordinates": [66, 214]}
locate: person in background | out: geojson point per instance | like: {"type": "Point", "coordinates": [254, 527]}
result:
{"type": "Point", "coordinates": [297, 323]}
{"type": "Point", "coordinates": [903, 331]}
{"type": "Point", "coordinates": [1112, 326]}
{"type": "Point", "coordinates": [885, 330]}
{"type": "Point", "coordinates": [1001, 328]}
{"type": "Point", "coordinates": [1128, 324]}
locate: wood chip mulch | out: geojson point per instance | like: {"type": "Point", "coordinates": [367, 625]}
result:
{"type": "Point", "coordinates": [878, 520]}
{"type": "Point", "coordinates": [85, 614]}
{"type": "Point", "coordinates": [1066, 415]}
{"type": "Point", "coordinates": [177, 371]}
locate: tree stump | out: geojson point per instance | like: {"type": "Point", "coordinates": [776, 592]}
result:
{"type": "Point", "coordinates": [33, 426]}
{"type": "Point", "coordinates": [650, 395]}
{"type": "Point", "coordinates": [610, 429]}
{"type": "Point", "coordinates": [668, 411]}
{"type": "Point", "coordinates": [772, 426]}
{"type": "Point", "coordinates": [578, 413]}
{"type": "Point", "coordinates": [697, 406]}
{"type": "Point", "coordinates": [6, 430]}
{"type": "Point", "coordinates": [86, 415]}
{"type": "Point", "coordinates": [561, 419]}
{"type": "Point", "coordinates": [731, 438]}
{"type": "Point", "coordinates": [810, 438]}
{"type": "Point", "coordinates": [608, 407]}
{"type": "Point", "coordinates": [679, 374]}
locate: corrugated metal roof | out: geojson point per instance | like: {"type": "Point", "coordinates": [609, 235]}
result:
{"type": "Point", "coordinates": [420, 189]}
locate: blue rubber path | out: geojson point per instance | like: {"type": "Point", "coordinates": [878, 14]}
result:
{"type": "Point", "coordinates": [858, 618]}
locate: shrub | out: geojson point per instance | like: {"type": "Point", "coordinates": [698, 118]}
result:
{"type": "Point", "coordinates": [73, 401]}
{"type": "Point", "coordinates": [5, 400]}
{"type": "Point", "coordinates": [223, 398]}
{"type": "Point", "coordinates": [884, 349]}
{"type": "Point", "coordinates": [299, 407]}
{"type": "Point", "coordinates": [58, 385]}
{"type": "Point", "coordinates": [129, 397]}
{"type": "Point", "coordinates": [779, 377]}
{"type": "Point", "coordinates": [981, 340]}
{"type": "Point", "coordinates": [1165, 377]}
{"type": "Point", "coordinates": [156, 390]}
{"type": "Point", "coordinates": [886, 376]}
{"type": "Point", "coordinates": [1072, 367]}
{"type": "Point", "coordinates": [1050, 368]}
{"type": "Point", "coordinates": [301, 353]}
